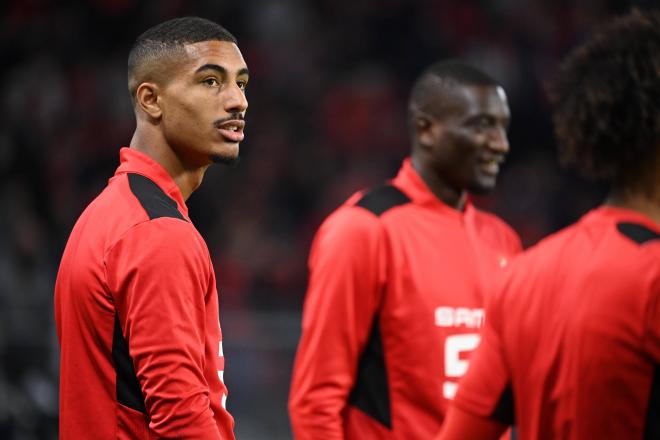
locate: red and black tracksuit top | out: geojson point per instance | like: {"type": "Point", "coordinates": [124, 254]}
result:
{"type": "Point", "coordinates": [393, 309]}
{"type": "Point", "coordinates": [136, 310]}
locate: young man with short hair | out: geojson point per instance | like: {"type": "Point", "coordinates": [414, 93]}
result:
{"type": "Point", "coordinates": [136, 304]}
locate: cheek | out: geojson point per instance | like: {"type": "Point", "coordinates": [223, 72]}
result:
{"type": "Point", "coordinates": [184, 117]}
{"type": "Point", "coordinates": [462, 147]}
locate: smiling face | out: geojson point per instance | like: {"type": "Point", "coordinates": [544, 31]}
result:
{"type": "Point", "coordinates": [466, 137]}
{"type": "Point", "coordinates": [203, 104]}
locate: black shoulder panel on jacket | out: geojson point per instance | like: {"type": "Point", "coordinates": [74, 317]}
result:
{"type": "Point", "coordinates": [152, 198]}
{"type": "Point", "coordinates": [637, 233]}
{"type": "Point", "coordinates": [380, 199]}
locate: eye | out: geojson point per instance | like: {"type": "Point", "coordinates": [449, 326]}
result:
{"type": "Point", "coordinates": [242, 84]}
{"type": "Point", "coordinates": [211, 82]}
{"type": "Point", "coordinates": [484, 122]}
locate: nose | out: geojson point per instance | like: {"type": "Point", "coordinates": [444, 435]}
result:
{"type": "Point", "coordinates": [499, 142]}
{"type": "Point", "coordinates": [235, 100]}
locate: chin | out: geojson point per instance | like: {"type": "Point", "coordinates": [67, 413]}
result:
{"type": "Point", "coordinates": [227, 156]}
{"type": "Point", "coordinates": [482, 187]}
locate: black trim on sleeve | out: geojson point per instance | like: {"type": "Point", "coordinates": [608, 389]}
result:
{"type": "Point", "coordinates": [152, 198]}
{"type": "Point", "coordinates": [128, 388]}
{"type": "Point", "coordinates": [380, 199]}
{"type": "Point", "coordinates": [637, 233]}
{"type": "Point", "coordinates": [371, 392]}
{"type": "Point", "coordinates": [504, 410]}
{"type": "Point", "coordinates": [652, 428]}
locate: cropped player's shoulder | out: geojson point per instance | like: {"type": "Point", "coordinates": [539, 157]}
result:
{"type": "Point", "coordinates": [638, 233]}
{"type": "Point", "coordinates": [639, 243]}
{"type": "Point", "coordinates": [597, 243]}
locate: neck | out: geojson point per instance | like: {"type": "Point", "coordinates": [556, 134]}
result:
{"type": "Point", "coordinates": [442, 190]}
{"type": "Point", "coordinates": [646, 204]}
{"type": "Point", "coordinates": [152, 143]}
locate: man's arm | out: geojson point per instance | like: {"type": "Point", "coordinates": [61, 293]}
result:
{"type": "Point", "coordinates": [483, 406]}
{"type": "Point", "coordinates": [346, 278]}
{"type": "Point", "coordinates": [158, 276]}
{"type": "Point", "coordinates": [462, 425]}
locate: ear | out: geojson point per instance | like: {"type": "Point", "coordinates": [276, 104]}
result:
{"type": "Point", "coordinates": [146, 98]}
{"type": "Point", "coordinates": [425, 131]}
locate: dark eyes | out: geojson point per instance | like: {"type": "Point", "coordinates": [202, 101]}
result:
{"type": "Point", "coordinates": [485, 122]}
{"type": "Point", "coordinates": [213, 82]}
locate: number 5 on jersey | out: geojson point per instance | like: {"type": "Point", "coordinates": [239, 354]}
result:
{"type": "Point", "coordinates": [456, 364]}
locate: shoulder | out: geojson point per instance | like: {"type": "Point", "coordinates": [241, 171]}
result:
{"type": "Point", "coordinates": [638, 233]}
{"type": "Point", "coordinates": [643, 245]}
{"type": "Point", "coordinates": [357, 223]}
{"type": "Point", "coordinates": [152, 217]}
{"type": "Point", "coordinates": [362, 212]}
{"type": "Point", "coordinates": [381, 199]}
{"type": "Point", "coordinates": [163, 238]}
{"type": "Point", "coordinates": [153, 200]}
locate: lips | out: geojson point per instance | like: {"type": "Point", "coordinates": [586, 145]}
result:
{"type": "Point", "coordinates": [490, 164]}
{"type": "Point", "coordinates": [232, 131]}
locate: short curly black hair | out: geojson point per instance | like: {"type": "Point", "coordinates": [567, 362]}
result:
{"type": "Point", "coordinates": [165, 40]}
{"type": "Point", "coordinates": [607, 101]}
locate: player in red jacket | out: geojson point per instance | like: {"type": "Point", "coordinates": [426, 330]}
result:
{"type": "Point", "coordinates": [571, 347]}
{"type": "Point", "coordinates": [136, 304]}
{"type": "Point", "coordinates": [398, 273]}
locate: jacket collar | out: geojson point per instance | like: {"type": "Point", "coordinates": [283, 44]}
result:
{"type": "Point", "coordinates": [133, 161]}
{"type": "Point", "coordinates": [414, 186]}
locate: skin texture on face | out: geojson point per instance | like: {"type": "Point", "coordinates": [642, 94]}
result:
{"type": "Point", "coordinates": [462, 140]}
{"type": "Point", "coordinates": [196, 116]}
{"type": "Point", "coordinates": [204, 104]}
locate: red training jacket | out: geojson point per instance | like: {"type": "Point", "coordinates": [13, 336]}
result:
{"type": "Point", "coordinates": [572, 342]}
{"type": "Point", "coordinates": [136, 309]}
{"type": "Point", "coordinates": [393, 309]}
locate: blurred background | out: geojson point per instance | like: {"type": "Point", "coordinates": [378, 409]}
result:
{"type": "Point", "coordinates": [329, 82]}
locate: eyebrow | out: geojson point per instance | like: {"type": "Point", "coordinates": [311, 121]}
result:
{"type": "Point", "coordinates": [222, 70]}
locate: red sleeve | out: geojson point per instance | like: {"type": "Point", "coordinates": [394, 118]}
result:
{"type": "Point", "coordinates": [158, 274]}
{"type": "Point", "coordinates": [652, 335]}
{"type": "Point", "coordinates": [485, 389]}
{"type": "Point", "coordinates": [461, 425]}
{"type": "Point", "coordinates": [346, 277]}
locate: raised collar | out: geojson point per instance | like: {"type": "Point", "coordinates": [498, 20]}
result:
{"type": "Point", "coordinates": [133, 161]}
{"type": "Point", "coordinates": [414, 186]}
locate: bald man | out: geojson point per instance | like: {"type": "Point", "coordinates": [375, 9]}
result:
{"type": "Point", "coordinates": [398, 273]}
{"type": "Point", "coordinates": [136, 304]}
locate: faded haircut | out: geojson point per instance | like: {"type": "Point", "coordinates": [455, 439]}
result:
{"type": "Point", "coordinates": [162, 43]}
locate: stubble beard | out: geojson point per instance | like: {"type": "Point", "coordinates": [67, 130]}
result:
{"type": "Point", "coordinates": [224, 159]}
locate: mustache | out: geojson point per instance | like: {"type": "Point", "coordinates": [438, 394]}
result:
{"type": "Point", "coordinates": [232, 117]}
